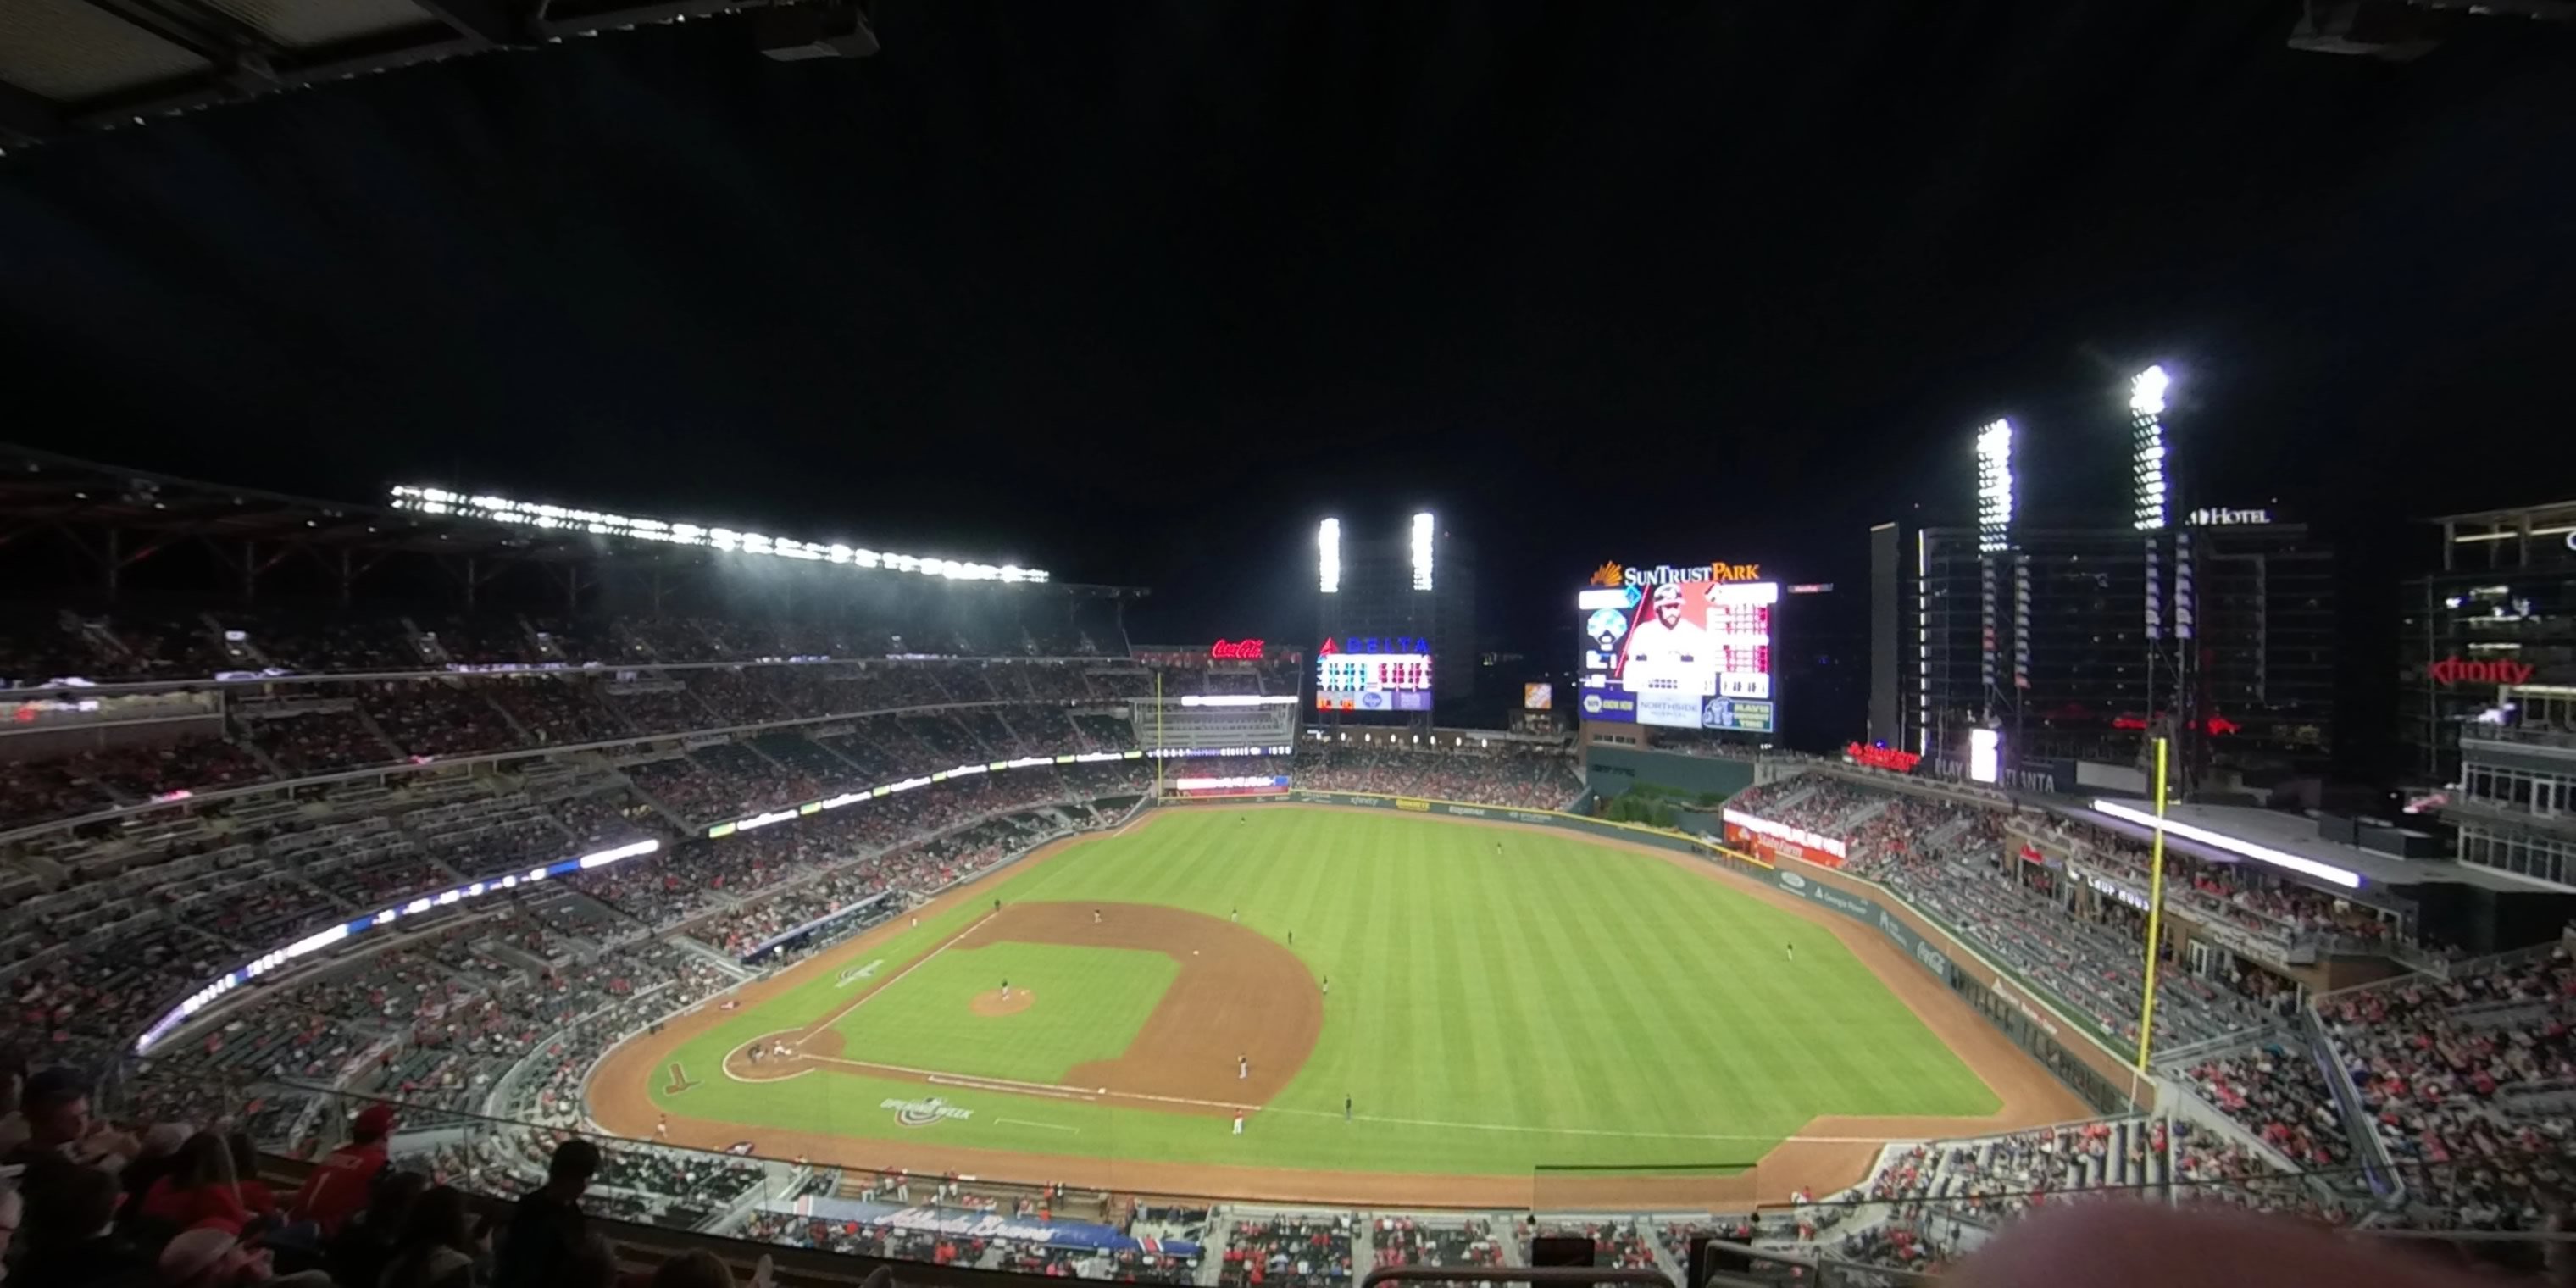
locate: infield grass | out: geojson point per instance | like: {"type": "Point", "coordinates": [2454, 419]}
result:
{"type": "Point", "coordinates": [1093, 1002]}
{"type": "Point", "coordinates": [1501, 998]}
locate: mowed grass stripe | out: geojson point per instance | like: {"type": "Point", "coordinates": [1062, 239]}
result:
{"type": "Point", "coordinates": [1558, 1002]}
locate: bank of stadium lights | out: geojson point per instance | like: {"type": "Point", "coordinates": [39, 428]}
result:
{"type": "Point", "coordinates": [1328, 556]}
{"type": "Point", "coordinates": [2147, 446]}
{"type": "Point", "coordinates": [1994, 487]}
{"type": "Point", "coordinates": [1422, 529]}
{"type": "Point", "coordinates": [557, 518]}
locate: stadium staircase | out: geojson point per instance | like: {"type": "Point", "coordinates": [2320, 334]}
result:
{"type": "Point", "coordinates": [679, 822]}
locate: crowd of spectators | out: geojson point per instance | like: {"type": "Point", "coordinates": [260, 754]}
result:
{"type": "Point", "coordinates": [2277, 1091]}
{"type": "Point", "coordinates": [1512, 775]}
{"type": "Point", "coordinates": [907, 871]}
{"type": "Point", "coordinates": [1414, 1241]}
{"type": "Point", "coordinates": [1306, 1250]}
{"type": "Point", "coordinates": [2238, 894]}
{"type": "Point", "coordinates": [158, 1202]}
{"type": "Point", "coordinates": [309, 726]}
{"type": "Point", "coordinates": [1956, 859]}
{"type": "Point", "coordinates": [1618, 1243]}
{"type": "Point", "coordinates": [2470, 1083]}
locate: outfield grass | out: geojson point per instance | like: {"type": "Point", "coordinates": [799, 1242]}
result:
{"type": "Point", "coordinates": [1558, 1001]}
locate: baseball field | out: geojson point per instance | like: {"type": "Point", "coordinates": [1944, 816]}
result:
{"type": "Point", "coordinates": [1390, 1004]}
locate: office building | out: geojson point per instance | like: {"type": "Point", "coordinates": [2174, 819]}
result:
{"type": "Point", "coordinates": [2075, 642]}
{"type": "Point", "coordinates": [2487, 711]}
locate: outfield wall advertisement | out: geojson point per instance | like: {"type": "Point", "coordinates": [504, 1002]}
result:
{"type": "Point", "coordinates": [2034, 1019]}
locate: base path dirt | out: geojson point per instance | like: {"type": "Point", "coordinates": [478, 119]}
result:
{"type": "Point", "coordinates": [1248, 1002]}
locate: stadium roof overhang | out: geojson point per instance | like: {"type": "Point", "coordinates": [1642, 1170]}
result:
{"type": "Point", "coordinates": [144, 510]}
{"type": "Point", "coordinates": [70, 65]}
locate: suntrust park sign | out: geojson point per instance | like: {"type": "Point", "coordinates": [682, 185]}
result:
{"type": "Point", "coordinates": [1611, 574]}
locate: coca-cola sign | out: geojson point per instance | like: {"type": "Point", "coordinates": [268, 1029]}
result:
{"type": "Point", "coordinates": [1246, 650]}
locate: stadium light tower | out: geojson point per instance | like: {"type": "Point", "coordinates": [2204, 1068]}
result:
{"type": "Point", "coordinates": [2147, 446]}
{"type": "Point", "coordinates": [1995, 503]}
{"type": "Point", "coordinates": [2150, 481]}
{"type": "Point", "coordinates": [1328, 556]}
{"type": "Point", "coordinates": [1994, 488]}
{"type": "Point", "coordinates": [1422, 529]}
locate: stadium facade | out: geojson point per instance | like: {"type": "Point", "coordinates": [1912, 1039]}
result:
{"type": "Point", "coordinates": [2487, 713]}
{"type": "Point", "coordinates": [2076, 641]}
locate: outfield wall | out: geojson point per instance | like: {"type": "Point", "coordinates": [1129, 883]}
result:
{"type": "Point", "coordinates": [2032, 1017]}
{"type": "Point", "coordinates": [1611, 771]}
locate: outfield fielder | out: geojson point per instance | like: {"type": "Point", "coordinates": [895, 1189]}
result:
{"type": "Point", "coordinates": [1793, 951]}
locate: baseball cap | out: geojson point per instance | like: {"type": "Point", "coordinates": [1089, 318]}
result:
{"type": "Point", "coordinates": [194, 1252]}
{"type": "Point", "coordinates": [1667, 593]}
{"type": "Point", "coordinates": [374, 1120]}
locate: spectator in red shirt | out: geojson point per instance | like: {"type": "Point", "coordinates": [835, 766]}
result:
{"type": "Point", "coordinates": [255, 1194]}
{"type": "Point", "coordinates": [200, 1190]}
{"type": "Point", "coordinates": [339, 1185]}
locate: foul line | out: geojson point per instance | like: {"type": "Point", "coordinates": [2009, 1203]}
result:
{"type": "Point", "coordinates": [863, 998]}
{"type": "Point", "coordinates": [1023, 1122]}
{"type": "Point", "coordinates": [1016, 1087]}
{"type": "Point", "coordinates": [980, 1084]}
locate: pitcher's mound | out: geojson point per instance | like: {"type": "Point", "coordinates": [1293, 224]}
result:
{"type": "Point", "coordinates": [991, 1002]}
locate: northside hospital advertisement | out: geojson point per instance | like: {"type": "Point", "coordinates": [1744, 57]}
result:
{"type": "Point", "coordinates": [1679, 647]}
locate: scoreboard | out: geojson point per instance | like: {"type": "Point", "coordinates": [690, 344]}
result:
{"type": "Point", "coordinates": [1685, 648]}
{"type": "Point", "coordinates": [1373, 673]}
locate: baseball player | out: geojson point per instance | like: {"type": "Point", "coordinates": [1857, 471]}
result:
{"type": "Point", "coordinates": [1242, 1067]}
{"type": "Point", "coordinates": [1793, 951]}
{"type": "Point", "coordinates": [1346, 1107]}
{"type": "Point", "coordinates": [1665, 648]}
{"type": "Point", "coordinates": [1006, 990]}
{"type": "Point", "coordinates": [662, 1129]}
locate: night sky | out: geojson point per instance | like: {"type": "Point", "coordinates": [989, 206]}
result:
{"type": "Point", "coordinates": [1136, 292]}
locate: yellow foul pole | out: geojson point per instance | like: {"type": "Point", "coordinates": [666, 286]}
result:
{"type": "Point", "coordinates": [1158, 738]}
{"type": "Point", "coordinates": [2155, 915]}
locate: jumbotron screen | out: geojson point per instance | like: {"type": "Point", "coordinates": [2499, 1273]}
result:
{"type": "Point", "coordinates": [1683, 648]}
{"type": "Point", "coordinates": [1373, 673]}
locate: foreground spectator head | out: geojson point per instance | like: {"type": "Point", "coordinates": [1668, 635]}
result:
{"type": "Point", "coordinates": [210, 1258]}
{"type": "Point", "coordinates": [389, 1207]}
{"type": "Point", "coordinates": [56, 1104]}
{"type": "Point", "coordinates": [437, 1245]}
{"type": "Point", "coordinates": [206, 1160]}
{"type": "Point", "coordinates": [569, 1171]}
{"type": "Point", "coordinates": [695, 1268]}
{"type": "Point", "coordinates": [2135, 1245]}
{"type": "Point", "coordinates": [245, 1156]}
{"type": "Point", "coordinates": [373, 1123]}
{"type": "Point", "coordinates": [162, 1140]}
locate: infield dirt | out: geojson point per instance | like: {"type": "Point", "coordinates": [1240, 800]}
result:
{"type": "Point", "coordinates": [1242, 994]}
